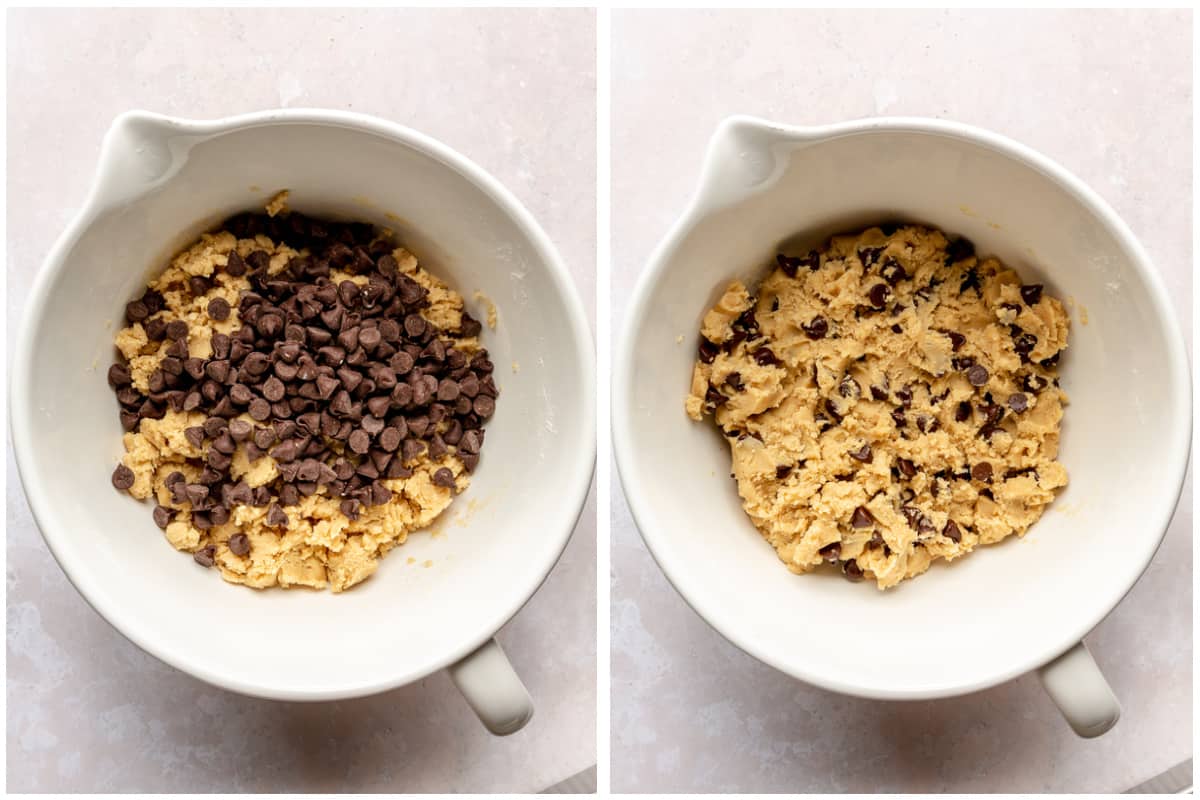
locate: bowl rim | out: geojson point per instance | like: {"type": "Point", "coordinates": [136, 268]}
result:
{"type": "Point", "coordinates": [1175, 460]}
{"type": "Point", "coordinates": [570, 492]}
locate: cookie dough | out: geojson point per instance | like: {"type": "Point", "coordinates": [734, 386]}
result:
{"type": "Point", "coordinates": [888, 400]}
{"type": "Point", "coordinates": [314, 543]}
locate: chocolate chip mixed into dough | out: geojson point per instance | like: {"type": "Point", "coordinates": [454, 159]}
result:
{"type": "Point", "coordinates": [298, 395]}
{"type": "Point", "coordinates": [888, 400]}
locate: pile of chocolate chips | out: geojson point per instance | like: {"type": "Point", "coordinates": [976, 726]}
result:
{"type": "Point", "coordinates": [346, 384]}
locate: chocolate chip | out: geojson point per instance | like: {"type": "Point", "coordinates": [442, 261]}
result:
{"type": "Point", "coordinates": [892, 272]}
{"type": "Point", "coordinates": [816, 329]}
{"type": "Point", "coordinates": [907, 468]}
{"type": "Point", "coordinates": [1023, 344]}
{"type": "Point", "coordinates": [360, 441]}
{"type": "Point", "coordinates": [898, 417]}
{"type": "Point", "coordinates": [863, 454]}
{"type": "Point", "coordinates": [136, 311]}
{"type": "Point", "coordinates": [861, 518]}
{"type": "Point", "coordinates": [273, 389]}
{"type": "Point", "coordinates": [982, 472]}
{"type": "Point", "coordinates": [957, 340]}
{"type": "Point", "coordinates": [162, 516]}
{"type": "Point", "coordinates": [1034, 383]}
{"type": "Point", "coordinates": [414, 325]}
{"type": "Point", "coordinates": [788, 264]}
{"type": "Point", "coordinates": [869, 255]}
{"type": "Point", "coordinates": [380, 494]}
{"type": "Point", "coordinates": [225, 443]}
{"type": "Point", "coordinates": [977, 375]}
{"type": "Point", "coordinates": [484, 406]}
{"type": "Point", "coordinates": [177, 329]}
{"type": "Point", "coordinates": [260, 409]}
{"type": "Point", "coordinates": [765, 357]}
{"type": "Point", "coordinates": [782, 471]}
{"type": "Point", "coordinates": [831, 551]}
{"type": "Point", "coordinates": [852, 571]}
{"type": "Point", "coordinates": [239, 544]}
{"type": "Point", "coordinates": [205, 556]}
{"type": "Point", "coordinates": [156, 329]}
{"type": "Point", "coordinates": [959, 249]}
{"type": "Point", "coordinates": [878, 295]}
{"type": "Point", "coordinates": [258, 260]}
{"type": "Point", "coordinates": [1032, 293]}
{"type": "Point", "coordinates": [912, 515]}
{"type": "Point", "coordinates": [951, 531]}
{"type": "Point", "coordinates": [832, 411]}
{"type": "Point", "coordinates": [194, 435]}
{"type": "Point", "coordinates": [472, 441]}
{"type": "Point", "coordinates": [118, 376]}
{"type": "Point", "coordinates": [218, 309]}
{"type": "Point", "coordinates": [878, 393]}
{"type": "Point", "coordinates": [444, 477]}
{"type": "Point", "coordinates": [1018, 402]}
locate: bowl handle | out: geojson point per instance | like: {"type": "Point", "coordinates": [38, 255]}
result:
{"type": "Point", "coordinates": [493, 690]}
{"type": "Point", "coordinates": [140, 151]}
{"type": "Point", "coordinates": [741, 158]}
{"type": "Point", "coordinates": [1078, 688]}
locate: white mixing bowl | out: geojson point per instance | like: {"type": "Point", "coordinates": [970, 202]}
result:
{"type": "Point", "coordinates": [163, 181]}
{"type": "Point", "coordinates": [1007, 609]}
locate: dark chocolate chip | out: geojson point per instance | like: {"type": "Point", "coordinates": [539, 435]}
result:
{"type": "Point", "coordinates": [360, 441]}
{"type": "Point", "coordinates": [205, 556]}
{"type": "Point", "coordinates": [816, 329]}
{"type": "Point", "coordinates": [122, 477]}
{"type": "Point", "coordinates": [907, 468]}
{"type": "Point", "coordinates": [959, 249]}
{"type": "Point", "coordinates": [869, 255]}
{"type": "Point", "coordinates": [892, 272]}
{"type": "Point", "coordinates": [863, 454]}
{"type": "Point", "coordinates": [239, 544]}
{"type": "Point", "coordinates": [118, 376]}
{"type": "Point", "coordinates": [218, 309]}
{"type": "Point", "coordinates": [861, 518]}
{"type": "Point", "coordinates": [194, 435]}
{"type": "Point", "coordinates": [1032, 293]}
{"type": "Point", "coordinates": [982, 472]}
{"type": "Point", "coordinates": [951, 531]}
{"type": "Point", "coordinates": [177, 329]}
{"type": "Point", "coordinates": [977, 375]}
{"type": "Point", "coordinates": [136, 311]}
{"type": "Point", "coordinates": [831, 551]}
{"type": "Point", "coordinates": [878, 295]}
{"type": "Point", "coordinates": [852, 571]}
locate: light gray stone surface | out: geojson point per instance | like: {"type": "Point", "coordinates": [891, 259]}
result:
{"type": "Point", "coordinates": [1108, 95]}
{"type": "Point", "coordinates": [513, 90]}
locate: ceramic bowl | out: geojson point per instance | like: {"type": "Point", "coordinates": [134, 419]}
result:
{"type": "Point", "coordinates": [160, 183]}
{"type": "Point", "coordinates": [1022, 605]}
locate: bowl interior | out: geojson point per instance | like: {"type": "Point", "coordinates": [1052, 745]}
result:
{"type": "Point", "coordinates": [431, 600]}
{"type": "Point", "coordinates": [1004, 609]}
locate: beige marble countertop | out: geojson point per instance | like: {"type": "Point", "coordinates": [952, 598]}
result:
{"type": "Point", "coordinates": [511, 89]}
{"type": "Point", "coordinates": [1107, 94]}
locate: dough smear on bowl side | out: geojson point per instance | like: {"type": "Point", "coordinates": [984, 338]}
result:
{"type": "Point", "coordinates": [888, 400]}
{"type": "Point", "coordinates": [298, 395]}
